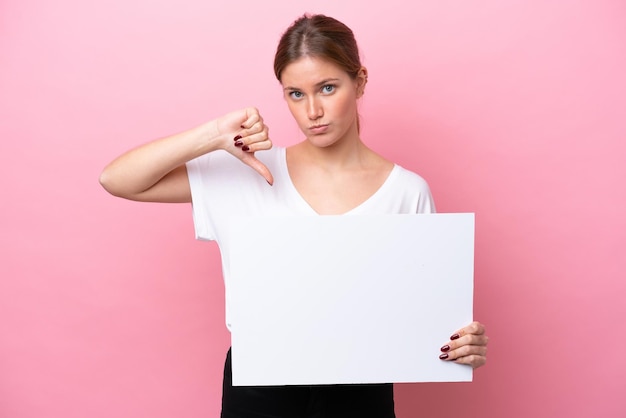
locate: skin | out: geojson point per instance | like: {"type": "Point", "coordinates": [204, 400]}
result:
{"type": "Point", "coordinates": [468, 346]}
{"type": "Point", "coordinates": [332, 169]}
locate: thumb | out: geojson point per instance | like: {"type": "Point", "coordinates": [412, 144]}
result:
{"type": "Point", "coordinates": [250, 160]}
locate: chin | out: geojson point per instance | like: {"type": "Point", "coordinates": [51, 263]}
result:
{"type": "Point", "coordinates": [322, 141]}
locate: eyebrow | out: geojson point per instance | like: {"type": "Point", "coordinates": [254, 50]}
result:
{"type": "Point", "coordinates": [320, 84]}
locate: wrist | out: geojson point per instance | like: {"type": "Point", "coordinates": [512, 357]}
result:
{"type": "Point", "coordinates": [209, 136]}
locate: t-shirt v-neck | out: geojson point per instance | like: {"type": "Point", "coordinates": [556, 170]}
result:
{"type": "Point", "coordinates": [298, 199]}
{"type": "Point", "coordinates": [224, 189]}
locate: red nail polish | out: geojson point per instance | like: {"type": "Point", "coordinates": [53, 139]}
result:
{"type": "Point", "coordinates": [455, 337]}
{"type": "Point", "coordinates": [443, 356]}
{"type": "Point", "coordinates": [245, 148]}
{"type": "Point", "coordinates": [238, 137]}
{"type": "Point", "coordinates": [445, 348]}
{"type": "Point", "coordinates": [238, 143]}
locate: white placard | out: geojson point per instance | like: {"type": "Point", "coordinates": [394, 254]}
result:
{"type": "Point", "coordinates": [349, 299]}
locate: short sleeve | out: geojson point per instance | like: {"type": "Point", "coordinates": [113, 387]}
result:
{"type": "Point", "coordinates": [198, 172]}
{"type": "Point", "coordinates": [222, 187]}
{"type": "Point", "coordinates": [426, 203]}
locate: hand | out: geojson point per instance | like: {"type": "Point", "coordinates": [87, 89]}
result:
{"type": "Point", "coordinates": [467, 346]}
{"type": "Point", "coordinates": [245, 134]}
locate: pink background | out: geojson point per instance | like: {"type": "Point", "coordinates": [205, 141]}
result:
{"type": "Point", "coordinates": [514, 110]}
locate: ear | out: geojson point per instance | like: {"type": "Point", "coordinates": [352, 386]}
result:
{"type": "Point", "coordinates": [361, 81]}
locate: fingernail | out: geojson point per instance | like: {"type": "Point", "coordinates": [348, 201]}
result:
{"type": "Point", "coordinates": [238, 137]}
{"type": "Point", "coordinates": [268, 182]}
{"type": "Point", "coordinates": [455, 337]}
{"type": "Point", "coordinates": [245, 148]}
{"type": "Point", "coordinates": [445, 348]}
{"type": "Point", "coordinates": [238, 143]}
{"type": "Point", "coordinates": [443, 356]}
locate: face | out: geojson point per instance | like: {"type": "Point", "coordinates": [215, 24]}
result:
{"type": "Point", "coordinates": [323, 99]}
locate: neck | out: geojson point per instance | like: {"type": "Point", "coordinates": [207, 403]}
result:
{"type": "Point", "coordinates": [348, 152]}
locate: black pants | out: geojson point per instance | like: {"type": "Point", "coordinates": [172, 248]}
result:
{"type": "Point", "coordinates": [321, 401]}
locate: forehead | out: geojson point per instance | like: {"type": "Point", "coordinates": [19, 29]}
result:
{"type": "Point", "coordinates": [310, 71]}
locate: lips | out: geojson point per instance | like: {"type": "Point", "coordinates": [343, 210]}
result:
{"type": "Point", "coordinates": [318, 129]}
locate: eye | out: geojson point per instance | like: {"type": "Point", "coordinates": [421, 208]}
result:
{"type": "Point", "coordinates": [295, 94]}
{"type": "Point", "coordinates": [328, 88]}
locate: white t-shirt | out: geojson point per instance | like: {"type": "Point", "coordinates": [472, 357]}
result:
{"type": "Point", "coordinates": [223, 187]}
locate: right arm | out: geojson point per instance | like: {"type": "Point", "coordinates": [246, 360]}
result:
{"type": "Point", "coordinates": [156, 171]}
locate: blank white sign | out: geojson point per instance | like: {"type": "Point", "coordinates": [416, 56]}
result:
{"type": "Point", "coordinates": [349, 299]}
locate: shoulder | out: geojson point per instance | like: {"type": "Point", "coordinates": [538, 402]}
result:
{"type": "Point", "coordinates": [413, 190]}
{"type": "Point", "coordinates": [410, 178]}
{"type": "Point", "coordinates": [221, 161]}
{"type": "Point", "coordinates": [273, 156]}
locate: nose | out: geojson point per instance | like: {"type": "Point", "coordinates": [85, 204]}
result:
{"type": "Point", "coordinates": [314, 108]}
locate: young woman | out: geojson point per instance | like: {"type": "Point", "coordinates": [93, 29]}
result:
{"type": "Point", "coordinates": [331, 172]}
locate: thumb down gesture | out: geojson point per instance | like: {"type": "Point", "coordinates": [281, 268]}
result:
{"type": "Point", "coordinates": [249, 134]}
